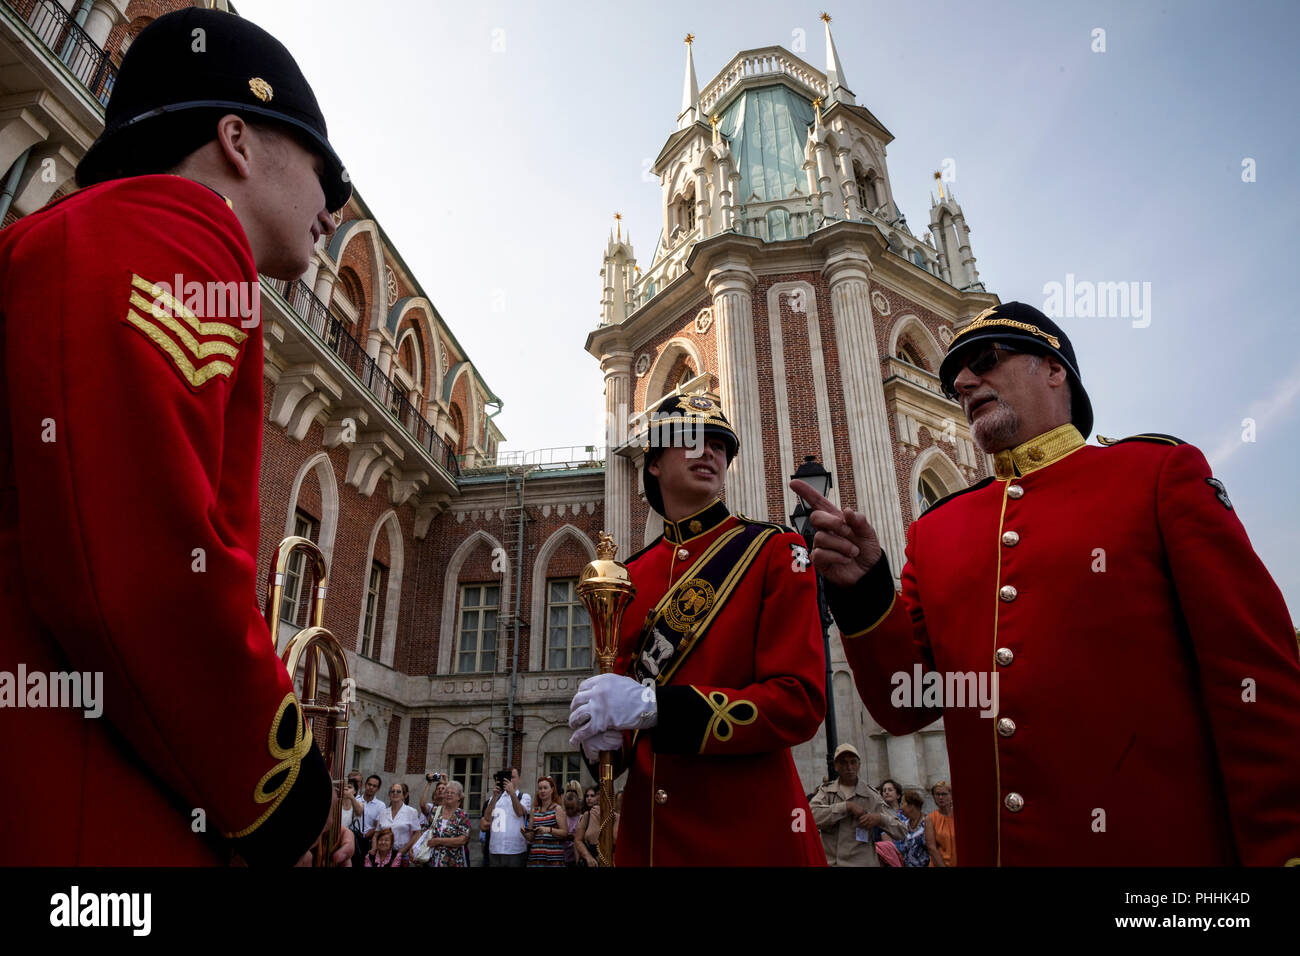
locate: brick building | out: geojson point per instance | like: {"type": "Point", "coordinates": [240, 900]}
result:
{"type": "Point", "coordinates": [786, 273]}
{"type": "Point", "coordinates": [450, 574]}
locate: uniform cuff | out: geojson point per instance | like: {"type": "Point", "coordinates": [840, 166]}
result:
{"type": "Point", "coordinates": [684, 715]}
{"type": "Point", "coordinates": [859, 608]}
{"type": "Point", "coordinates": [290, 831]}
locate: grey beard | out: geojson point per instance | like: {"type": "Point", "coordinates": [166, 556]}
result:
{"type": "Point", "coordinates": [995, 430]}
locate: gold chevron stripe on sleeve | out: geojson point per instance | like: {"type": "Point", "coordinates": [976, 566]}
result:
{"type": "Point", "coordinates": [166, 302]}
{"type": "Point", "coordinates": [200, 350]}
{"type": "Point", "coordinates": [195, 377]}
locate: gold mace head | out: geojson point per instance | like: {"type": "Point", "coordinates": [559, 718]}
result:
{"type": "Point", "coordinates": [606, 589]}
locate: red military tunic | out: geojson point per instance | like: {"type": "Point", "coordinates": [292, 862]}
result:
{"type": "Point", "coordinates": [713, 784]}
{"type": "Point", "coordinates": [1147, 667]}
{"type": "Point", "coordinates": [130, 446]}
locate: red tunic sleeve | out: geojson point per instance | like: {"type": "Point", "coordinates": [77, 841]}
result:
{"type": "Point", "coordinates": [1245, 648]}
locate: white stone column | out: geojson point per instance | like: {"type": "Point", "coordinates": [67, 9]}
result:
{"type": "Point", "coordinates": [731, 284]}
{"type": "Point", "coordinates": [323, 285]}
{"type": "Point", "coordinates": [848, 185]}
{"type": "Point", "coordinates": [702, 200]}
{"type": "Point", "coordinates": [830, 203]}
{"type": "Point", "coordinates": [101, 19]}
{"type": "Point", "coordinates": [620, 482]}
{"type": "Point", "coordinates": [875, 485]}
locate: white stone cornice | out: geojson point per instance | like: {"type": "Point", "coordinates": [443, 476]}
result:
{"type": "Point", "coordinates": [373, 454]}
{"type": "Point", "coordinates": [405, 483]}
{"type": "Point", "coordinates": [344, 426]}
{"type": "Point", "coordinates": [301, 393]}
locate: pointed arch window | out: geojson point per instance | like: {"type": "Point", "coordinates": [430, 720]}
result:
{"type": "Point", "coordinates": [908, 354]}
{"type": "Point", "coordinates": [929, 489]}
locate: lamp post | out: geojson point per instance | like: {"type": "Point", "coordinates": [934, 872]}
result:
{"type": "Point", "coordinates": [812, 472]}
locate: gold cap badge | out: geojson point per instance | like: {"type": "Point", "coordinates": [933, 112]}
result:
{"type": "Point", "coordinates": [261, 89]}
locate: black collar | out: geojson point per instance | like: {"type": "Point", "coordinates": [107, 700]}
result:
{"type": "Point", "coordinates": [692, 526]}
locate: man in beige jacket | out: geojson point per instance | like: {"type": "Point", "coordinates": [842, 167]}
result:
{"type": "Point", "coordinates": [847, 811]}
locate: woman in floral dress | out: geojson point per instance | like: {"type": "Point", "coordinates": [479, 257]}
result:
{"type": "Point", "coordinates": [451, 828]}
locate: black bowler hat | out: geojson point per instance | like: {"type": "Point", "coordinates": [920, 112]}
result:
{"type": "Point", "coordinates": [185, 70]}
{"type": "Point", "coordinates": [1026, 329]}
{"type": "Point", "coordinates": [682, 421]}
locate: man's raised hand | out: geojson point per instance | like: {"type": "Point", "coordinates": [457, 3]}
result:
{"type": "Point", "coordinates": [845, 547]}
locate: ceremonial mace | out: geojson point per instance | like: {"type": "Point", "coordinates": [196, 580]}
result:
{"type": "Point", "coordinates": [606, 590]}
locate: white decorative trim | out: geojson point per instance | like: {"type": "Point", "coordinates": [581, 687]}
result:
{"type": "Point", "coordinates": [390, 279]}
{"type": "Point", "coordinates": [537, 639]}
{"type": "Point", "coordinates": [329, 503]}
{"type": "Point", "coordinates": [934, 460]}
{"type": "Point", "coordinates": [704, 320]}
{"type": "Point", "coordinates": [880, 303]}
{"type": "Point", "coordinates": [450, 584]}
{"type": "Point", "coordinates": [910, 324]}
{"type": "Point", "coordinates": [642, 364]}
{"type": "Point", "coordinates": [657, 381]}
{"type": "Point", "coordinates": [945, 335]}
{"type": "Point", "coordinates": [805, 292]}
{"type": "Point", "coordinates": [393, 595]}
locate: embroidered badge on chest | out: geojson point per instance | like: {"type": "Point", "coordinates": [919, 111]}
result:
{"type": "Point", "coordinates": [693, 601]}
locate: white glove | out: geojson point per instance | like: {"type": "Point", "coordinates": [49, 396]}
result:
{"type": "Point", "coordinates": [610, 702]}
{"type": "Point", "coordinates": [593, 744]}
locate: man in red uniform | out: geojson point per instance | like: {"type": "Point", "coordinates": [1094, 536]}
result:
{"type": "Point", "coordinates": [1147, 687]}
{"type": "Point", "coordinates": [130, 447]}
{"type": "Point", "coordinates": [723, 651]}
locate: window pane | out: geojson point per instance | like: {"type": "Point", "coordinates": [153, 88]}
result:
{"type": "Point", "coordinates": [491, 595]}
{"type": "Point", "coordinates": [559, 591]}
{"type": "Point", "coordinates": [489, 622]}
{"type": "Point", "coordinates": [556, 661]}
{"type": "Point", "coordinates": [580, 636]}
{"type": "Point", "coordinates": [466, 664]}
{"type": "Point", "coordinates": [488, 661]}
{"type": "Point", "coordinates": [470, 598]}
{"type": "Point", "coordinates": [469, 641]}
{"type": "Point", "coordinates": [469, 621]}
{"type": "Point", "coordinates": [581, 657]}
{"type": "Point", "coordinates": [559, 617]}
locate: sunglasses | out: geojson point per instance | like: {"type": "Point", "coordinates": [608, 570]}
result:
{"type": "Point", "coordinates": [980, 364]}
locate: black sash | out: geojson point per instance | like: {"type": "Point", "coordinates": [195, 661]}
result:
{"type": "Point", "coordinates": [686, 612]}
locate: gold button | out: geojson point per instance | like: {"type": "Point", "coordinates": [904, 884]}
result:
{"type": "Point", "coordinates": [682, 554]}
{"type": "Point", "coordinates": [661, 796]}
{"type": "Point", "coordinates": [1005, 656]}
{"type": "Point", "coordinates": [1010, 539]}
{"type": "Point", "coordinates": [1007, 593]}
{"type": "Point", "coordinates": [696, 527]}
{"type": "Point", "coordinates": [1014, 802]}
{"type": "Point", "coordinates": [1036, 454]}
{"type": "Point", "coordinates": [1006, 726]}
{"type": "Point", "coordinates": [1015, 491]}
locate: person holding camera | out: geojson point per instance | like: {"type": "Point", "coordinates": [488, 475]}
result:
{"type": "Point", "coordinates": [506, 815]}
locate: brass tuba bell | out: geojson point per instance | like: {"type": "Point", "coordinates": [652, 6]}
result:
{"type": "Point", "coordinates": [307, 649]}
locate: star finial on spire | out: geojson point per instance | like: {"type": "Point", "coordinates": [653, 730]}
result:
{"type": "Point", "coordinates": [618, 224]}
{"type": "Point", "coordinates": [826, 17]}
{"type": "Point", "coordinates": [690, 38]}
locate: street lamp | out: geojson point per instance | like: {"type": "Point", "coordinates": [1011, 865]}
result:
{"type": "Point", "coordinates": [820, 479]}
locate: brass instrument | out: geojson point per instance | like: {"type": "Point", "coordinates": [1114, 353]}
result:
{"type": "Point", "coordinates": [307, 648]}
{"type": "Point", "coordinates": [606, 590]}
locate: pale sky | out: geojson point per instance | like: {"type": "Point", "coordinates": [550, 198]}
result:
{"type": "Point", "coordinates": [495, 142]}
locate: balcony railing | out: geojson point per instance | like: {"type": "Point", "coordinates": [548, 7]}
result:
{"type": "Point", "coordinates": [564, 458]}
{"type": "Point", "coordinates": [56, 28]}
{"type": "Point", "coordinates": [333, 331]}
